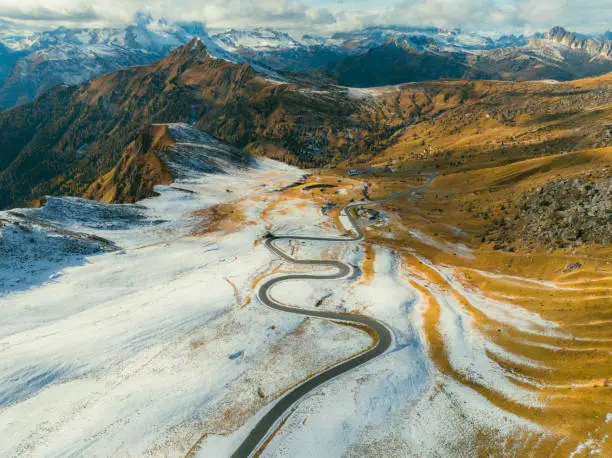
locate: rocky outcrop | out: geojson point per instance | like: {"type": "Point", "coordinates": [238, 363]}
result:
{"type": "Point", "coordinates": [591, 46]}
{"type": "Point", "coordinates": [563, 213]}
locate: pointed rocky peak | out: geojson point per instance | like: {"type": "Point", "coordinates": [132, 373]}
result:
{"type": "Point", "coordinates": [194, 51]}
{"type": "Point", "coordinates": [196, 45]}
{"type": "Point", "coordinates": [557, 33]}
{"type": "Point", "coordinates": [142, 20]}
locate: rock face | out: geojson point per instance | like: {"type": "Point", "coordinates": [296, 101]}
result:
{"type": "Point", "coordinates": [257, 39]}
{"type": "Point", "coordinates": [562, 213]}
{"type": "Point", "coordinates": [591, 46]}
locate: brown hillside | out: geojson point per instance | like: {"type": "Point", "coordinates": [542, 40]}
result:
{"type": "Point", "coordinates": [68, 138]}
{"type": "Point", "coordinates": [138, 170]}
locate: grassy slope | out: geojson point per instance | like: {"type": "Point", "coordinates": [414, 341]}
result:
{"type": "Point", "coordinates": [478, 124]}
{"type": "Point", "coordinates": [574, 383]}
{"type": "Point", "coordinates": [530, 138]}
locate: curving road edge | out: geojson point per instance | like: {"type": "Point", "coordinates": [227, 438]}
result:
{"type": "Point", "coordinates": [384, 336]}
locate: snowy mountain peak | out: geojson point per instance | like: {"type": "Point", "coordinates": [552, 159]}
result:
{"type": "Point", "coordinates": [419, 43]}
{"type": "Point", "coordinates": [70, 56]}
{"type": "Point", "coordinates": [143, 19]}
{"type": "Point", "coordinates": [256, 39]}
{"type": "Point", "coordinates": [575, 41]}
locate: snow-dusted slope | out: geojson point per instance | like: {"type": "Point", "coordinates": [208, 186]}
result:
{"type": "Point", "coordinates": [135, 330]}
{"type": "Point", "coordinates": [90, 346]}
{"type": "Point", "coordinates": [259, 39]}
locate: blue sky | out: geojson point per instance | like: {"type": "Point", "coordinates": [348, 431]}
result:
{"type": "Point", "coordinates": [320, 16]}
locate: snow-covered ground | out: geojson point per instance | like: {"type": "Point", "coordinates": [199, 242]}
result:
{"type": "Point", "coordinates": [400, 404]}
{"type": "Point", "coordinates": [144, 348]}
{"type": "Point", "coordinates": [125, 334]}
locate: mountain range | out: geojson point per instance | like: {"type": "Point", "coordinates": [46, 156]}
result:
{"type": "Point", "coordinates": [29, 65]}
{"type": "Point", "coordinates": [71, 136]}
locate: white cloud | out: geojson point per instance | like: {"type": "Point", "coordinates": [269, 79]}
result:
{"type": "Point", "coordinates": [324, 16]}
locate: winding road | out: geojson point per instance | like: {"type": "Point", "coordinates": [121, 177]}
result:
{"type": "Point", "coordinates": [384, 336]}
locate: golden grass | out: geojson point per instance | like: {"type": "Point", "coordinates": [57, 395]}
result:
{"type": "Point", "coordinates": [220, 217]}
{"type": "Point", "coordinates": [574, 382]}
{"type": "Point", "coordinates": [571, 383]}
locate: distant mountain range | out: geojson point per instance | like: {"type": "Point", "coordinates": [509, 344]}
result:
{"type": "Point", "coordinates": [30, 65]}
{"type": "Point", "coordinates": [380, 56]}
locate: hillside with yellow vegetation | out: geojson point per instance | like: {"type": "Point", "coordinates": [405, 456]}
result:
{"type": "Point", "coordinates": [516, 224]}
{"type": "Point", "coordinates": [544, 311]}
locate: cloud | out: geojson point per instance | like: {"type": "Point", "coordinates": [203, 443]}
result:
{"type": "Point", "coordinates": [272, 13]}
{"type": "Point", "coordinates": [493, 16]}
{"type": "Point", "coordinates": [44, 14]}
{"type": "Point", "coordinates": [592, 16]}
{"type": "Point", "coordinates": [325, 16]}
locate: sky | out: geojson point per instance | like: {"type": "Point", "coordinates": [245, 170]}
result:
{"type": "Point", "coordinates": [318, 16]}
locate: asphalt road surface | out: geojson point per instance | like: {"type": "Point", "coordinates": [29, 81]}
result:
{"type": "Point", "coordinates": [384, 337]}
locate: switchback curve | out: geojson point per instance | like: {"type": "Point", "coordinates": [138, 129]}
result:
{"type": "Point", "coordinates": [384, 336]}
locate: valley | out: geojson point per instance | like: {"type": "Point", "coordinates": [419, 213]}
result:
{"type": "Point", "coordinates": [490, 348]}
{"type": "Point", "coordinates": [392, 241]}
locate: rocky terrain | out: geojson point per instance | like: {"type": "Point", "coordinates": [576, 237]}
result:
{"type": "Point", "coordinates": [562, 213]}
{"type": "Point", "coordinates": [592, 46]}
{"type": "Point", "coordinates": [32, 64]}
